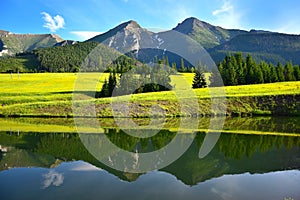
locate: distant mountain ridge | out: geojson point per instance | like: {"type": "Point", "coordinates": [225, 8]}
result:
{"type": "Point", "coordinates": [131, 37]}
{"type": "Point", "coordinates": [263, 45]}
{"type": "Point", "coordinates": [11, 43]}
{"type": "Point", "coordinates": [268, 46]}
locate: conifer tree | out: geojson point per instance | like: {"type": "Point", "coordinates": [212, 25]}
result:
{"type": "Point", "coordinates": [112, 82]}
{"type": "Point", "coordinates": [105, 89]}
{"type": "Point", "coordinates": [240, 64]}
{"type": "Point", "coordinates": [273, 73]}
{"type": "Point", "coordinates": [297, 72]}
{"type": "Point", "coordinates": [183, 68]}
{"type": "Point", "coordinates": [250, 65]}
{"type": "Point", "coordinates": [199, 78]}
{"type": "Point", "coordinates": [289, 72]}
{"type": "Point", "coordinates": [280, 72]}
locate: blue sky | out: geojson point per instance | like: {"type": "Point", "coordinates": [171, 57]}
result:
{"type": "Point", "coordinates": [81, 19]}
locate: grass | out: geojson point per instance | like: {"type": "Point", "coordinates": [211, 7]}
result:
{"type": "Point", "coordinates": [44, 87]}
{"type": "Point", "coordinates": [256, 126]}
{"type": "Point", "coordinates": [50, 94]}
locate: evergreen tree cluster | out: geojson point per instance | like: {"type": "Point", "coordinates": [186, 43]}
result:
{"type": "Point", "coordinates": [64, 58]}
{"type": "Point", "coordinates": [145, 79]}
{"type": "Point", "coordinates": [235, 70]}
{"type": "Point", "coordinates": [85, 56]}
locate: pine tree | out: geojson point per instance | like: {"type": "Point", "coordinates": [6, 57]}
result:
{"type": "Point", "coordinates": [266, 71]}
{"type": "Point", "coordinates": [183, 68]}
{"type": "Point", "coordinates": [297, 72]}
{"type": "Point", "coordinates": [174, 68]}
{"type": "Point", "coordinates": [229, 65]}
{"type": "Point", "coordinates": [289, 72]}
{"type": "Point", "coordinates": [199, 78]}
{"type": "Point", "coordinates": [250, 65]}
{"type": "Point", "coordinates": [112, 82]}
{"type": "Point", "coordinates": [240, 64]}
{"type": "Point", "coordinates": [273, 73]}
{"type": "Point", "coordinates": [258, 74]}
{"type": "Point", "coordinates": [105, 89]}
{"type": "Point", "coordinates": [280, 72]}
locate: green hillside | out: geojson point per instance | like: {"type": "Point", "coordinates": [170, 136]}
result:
{"type": "Point", "coordinates": [207, 35]}
{"type": "Point", "coordinates": [271, 47]}
{"type": "Point", "coordinates": [61, 59]}
{"type": "Point", "coordinates": [17, 43]}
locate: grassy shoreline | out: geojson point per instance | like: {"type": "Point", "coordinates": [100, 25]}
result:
{"type": "Point", "coordinates": [50, 95]}
{"type": "Point", "coordinates": [272, 105]}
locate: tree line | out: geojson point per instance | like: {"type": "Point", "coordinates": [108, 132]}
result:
{"type": "Point", "coordinates": [137, 80]}
{"type": "Point", "coordinates": [236, 70]}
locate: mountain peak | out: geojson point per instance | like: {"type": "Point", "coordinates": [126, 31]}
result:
{"type": "Point", "coordinates": [128, 25]}
{"type": "Point", "coordinates": [132, 24]}
{"type": "Point", "coordinates": [190, 24]}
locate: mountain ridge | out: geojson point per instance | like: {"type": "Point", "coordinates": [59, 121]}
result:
{"type": "Point", "coordinates": [12, 43]}
{"type": "Point", "coordinates": [130, 37]}
{"type": "Point", "coordinates": [206, 34]}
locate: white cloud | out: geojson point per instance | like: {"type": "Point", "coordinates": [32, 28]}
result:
{"type": "Point", "coordinates": [226, 7]}
{"type": "Point", "coordinates": [52, 178]}
{"type": "Point", "coordinates": [227, 16]}
{"type": "Point", "coordinates": [53, 23]}
{"type": "Point", "coordinates": [85, 35]}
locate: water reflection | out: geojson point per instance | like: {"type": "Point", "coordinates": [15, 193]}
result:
{"type": "Point", "coordinates": [233, 153]}
{"type": "Point", "coordinates": [84, 181]}
{"type": "Point", "coordinates": [239, 166]}
{"type": "Point", "coordinates": [52, 178]}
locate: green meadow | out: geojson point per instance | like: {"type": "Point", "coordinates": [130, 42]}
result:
{"type": "Point", "coordinates": [50, 94]}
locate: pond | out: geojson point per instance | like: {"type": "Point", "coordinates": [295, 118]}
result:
{"type": "Point", "coordinates": [253, 158]}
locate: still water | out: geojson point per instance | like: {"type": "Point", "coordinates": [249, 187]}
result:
{"type": "Point", "coordinates": [55, 164]}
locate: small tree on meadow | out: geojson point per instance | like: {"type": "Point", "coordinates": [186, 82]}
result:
{"type": "Point", "coordinates": [199, 78]}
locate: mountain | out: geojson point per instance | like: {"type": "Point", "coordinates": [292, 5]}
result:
{"type": "Point", "coordinates": [126, 37]}
{"type": "Point", "coordinates": [206, 34]}
{"type": "Point", "coordinates": [11, 43]}
{"type": "Point", "coordinates": [262, 45]}
{"type": "Point", "coordinates": [131, 35]}
{"type": "Point", "coordinates": [133, 40]}
{"type": "Point", "coordinates": [268, 46]}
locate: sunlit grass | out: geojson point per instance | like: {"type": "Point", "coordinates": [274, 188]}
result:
{"type": "Point", "coordinates": [45, 87]}
{"type": "Point", "coordinates": [56, 89]}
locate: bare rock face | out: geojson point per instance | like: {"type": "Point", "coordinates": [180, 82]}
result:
{"type": "Point", "coordinates": [126, 37]}
{"type": "Point", "coordinates": [66, 43]}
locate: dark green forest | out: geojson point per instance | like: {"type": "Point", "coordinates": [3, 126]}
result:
{"type": "Point", "coordinates": [237, 70]}
{"type": "Point", "coordinates": [86, 56]}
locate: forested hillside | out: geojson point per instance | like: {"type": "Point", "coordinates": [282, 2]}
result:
{"type": "Point", "coordinates": [270, 47]}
